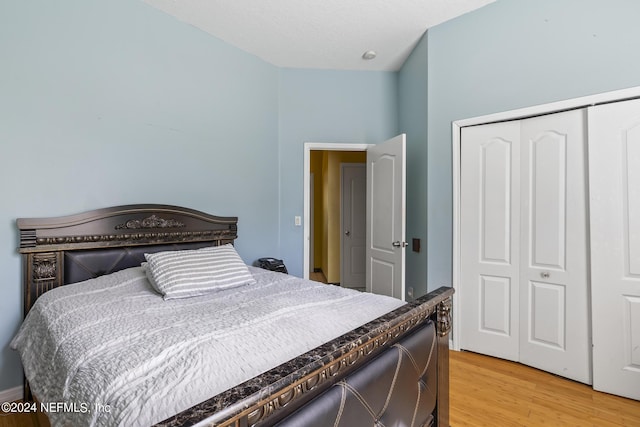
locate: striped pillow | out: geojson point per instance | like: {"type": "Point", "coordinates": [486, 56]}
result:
{"type": "Point", "coordinates": [183, 274]}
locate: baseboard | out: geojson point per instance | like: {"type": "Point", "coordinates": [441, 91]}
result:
{"type": "Point", "coordinates": [11, 394]}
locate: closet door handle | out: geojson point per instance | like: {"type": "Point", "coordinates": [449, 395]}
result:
{"type": "Point", "coordinates": [545, 274]}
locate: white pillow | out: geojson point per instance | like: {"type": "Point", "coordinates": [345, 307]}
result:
{"type": "Point", "coordinates": [183, 274]}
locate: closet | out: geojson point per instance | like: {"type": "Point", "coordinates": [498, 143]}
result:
{"type": "Point", "coordinates": [523, 219]}
{"type": "Point", "coordinates": [549, 253]}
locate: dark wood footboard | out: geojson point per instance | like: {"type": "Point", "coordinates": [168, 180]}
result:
{"type": "Point", "coordinates": [272, 397]}
{"type": "Point", "coordinates": [397, 387]}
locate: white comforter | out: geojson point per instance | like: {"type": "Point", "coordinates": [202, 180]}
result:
{"type": "Point", "coordinates": [121, 355]}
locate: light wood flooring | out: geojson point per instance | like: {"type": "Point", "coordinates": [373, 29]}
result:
{"type": "Point", "coordinates": [491, 392]}
{"type": "Point", "coordinates": [21, 420]}
{"type": "Point", "coordinates": [486, 391]}
{"type": "Point", "coordinates": [317, 276]}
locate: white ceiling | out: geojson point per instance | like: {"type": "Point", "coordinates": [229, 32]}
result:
{"type": "Point", "coordinates": [325, 34]}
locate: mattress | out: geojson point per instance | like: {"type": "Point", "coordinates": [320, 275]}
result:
{"type": "Point", "coordinates": [110, 351]}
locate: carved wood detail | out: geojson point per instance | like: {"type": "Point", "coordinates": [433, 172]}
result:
{"type": "Point", "coordinates": [152, 221]}
{"type": "Point", "coordinates": [444, 317]}
{"type": "Point", "coordinates": [145, 236]}
{"type": "Point", "coordinates": [123, 226]}
{"type": "Point", "coordinates": [43, 273]}
{"type": "Point", "coordinates": [45, 266]}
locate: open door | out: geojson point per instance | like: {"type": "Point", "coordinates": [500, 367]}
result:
{"type": "Point", "coordinates": [386, 218]}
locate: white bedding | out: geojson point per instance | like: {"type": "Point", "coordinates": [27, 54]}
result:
{"type": "Point", "coordinates": [113, 341]}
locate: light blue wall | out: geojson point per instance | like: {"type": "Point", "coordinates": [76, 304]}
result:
{"type": "Point", "coordinates": [113, 102]}
{"type": "Point", "coordinates": [326, 106]}
{"type": "Point", "coordinates": [124, 104]}
{"type": "Point", "coordinates": [512, 54]}
{"type": "Point", "coordinates": [412, 112]}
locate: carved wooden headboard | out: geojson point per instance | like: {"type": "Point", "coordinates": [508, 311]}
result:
{"type": "Point", "coordinates": [117, 237]}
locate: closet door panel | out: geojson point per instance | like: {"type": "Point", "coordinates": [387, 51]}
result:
{"type": "Point", "coordinates": [554, 312]}
{"type": "Point", "coordinates": [614, 181]}
{"type": "Point", "coordinates": [495, 199]}
{"type": "Point", "coordinates": [495, 305]}
{"type": "Point", "coordinates": [631, 200]}
{"type": "Point", "coordinates": [489, 254]}
{"type": "Point", "coordinates": [547, 192]}
{"type": "Point", "coordinates": [547, 314]}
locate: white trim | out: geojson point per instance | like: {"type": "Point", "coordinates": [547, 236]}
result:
{"type": "Point", "coordinates": [553, 107]}
{"type": "Point", "coordinates": [11, 394]}
{"type": "Point", "coordinates": [312, 220]}
{"type": "Point", "coordinates": [537, 110]}
{"type": "Point", "coordinates": [322, 146]}
{"type": "Point", "coordinates": [456, 236]}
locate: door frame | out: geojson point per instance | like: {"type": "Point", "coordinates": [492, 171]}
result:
{"type": "Point", "coordinates": [312, 219]}
{"type": "Point", "coordinates": [521, 113]}
{"type": "Point", "coordinates": [319, 146]}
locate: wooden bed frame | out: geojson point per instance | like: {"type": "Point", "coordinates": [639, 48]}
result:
{"type": "Point", "coordinates": [62, 250]}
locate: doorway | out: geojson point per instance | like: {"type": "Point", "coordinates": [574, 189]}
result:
{"type": "Point", "coordinates": [320, 147]}
{"type": "Point", "coordinates": [385, 213]}
{"type": "Point", "coordinates": [328, 232]}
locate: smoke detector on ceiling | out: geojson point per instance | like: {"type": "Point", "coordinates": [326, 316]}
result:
{"type": "Point", "coordinates": [369, 55]}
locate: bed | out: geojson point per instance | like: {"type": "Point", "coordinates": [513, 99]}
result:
{"type": "Point", "coordinates": [388, 367]}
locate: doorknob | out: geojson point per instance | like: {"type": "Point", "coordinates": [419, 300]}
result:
{"type": "Point", "coordinates": [347, 233]}
{"type": "Point", "coordinates": [545, 274]}
{"type": "Point", "coordinates": [398, 244]}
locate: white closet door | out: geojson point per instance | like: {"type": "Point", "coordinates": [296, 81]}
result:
{"type": "Point", "coordinates": [614, 181]}
{"type": "Point", "coordinates": [554, 306]}
{"type": "Point", "coordinates": [489, 226]}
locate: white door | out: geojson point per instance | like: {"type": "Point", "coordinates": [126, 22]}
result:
{"type": "Point", "coordinates": [353, 217]}
{"type": "Point", "coordinates": [489, 250]}
{"type": "Point", "coordinates": [554, 304]}
{"type": "Point", "coordinates": [386, 223]}
{"type": "Point", "coordinates": [614, 182]}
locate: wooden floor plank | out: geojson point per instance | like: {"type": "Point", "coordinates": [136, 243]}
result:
{"type": "Point", "coordinates": [483, 391]}
{"type": "Point", "coordinates": [24, 419]}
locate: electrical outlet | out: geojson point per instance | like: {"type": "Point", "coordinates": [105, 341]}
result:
{"type": "Point", "coordinates": [297, 220]}
{"type": "Point", "coordinates": [410, 292]}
